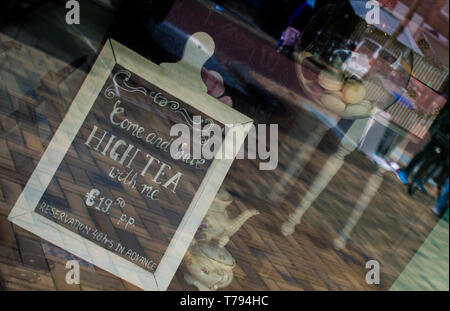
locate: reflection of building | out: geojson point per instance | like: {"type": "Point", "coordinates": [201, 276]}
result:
{"type": "Point", "coordinates": [433, 13]}
{"type": "Point", "coordinates": [403, 129]}
{"type": "Point", "coordinates": [405, 125]}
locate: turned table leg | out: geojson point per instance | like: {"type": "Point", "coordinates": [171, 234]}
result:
{"type": "Point", "coordinates": [348, 143]}
{"type": "Point", "coordinates": [331, 167]}
{"type": "Point", "coordinates": [371, 188]}
{"type": "Point", "coordinates": [296, 165]}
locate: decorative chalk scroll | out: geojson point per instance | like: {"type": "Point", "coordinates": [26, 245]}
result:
{"type": "Point", "coordinates": [157, 97]}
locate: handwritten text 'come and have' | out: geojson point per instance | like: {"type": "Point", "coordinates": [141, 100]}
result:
{"type": "Point", "coordinates": [125, 153]}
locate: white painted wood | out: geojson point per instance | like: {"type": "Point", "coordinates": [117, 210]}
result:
{"type": "Point", "coordinates": [298, 162]}
{"type": "Point", "coordinates": [334, 163]}
{"type": "Point", "coordinates": [371, 188]}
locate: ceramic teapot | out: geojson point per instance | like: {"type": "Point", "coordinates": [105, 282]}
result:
{"type": "Point", "coordinates": [208, 266]}
{"type": "Point", "coordinates": [217, 225]}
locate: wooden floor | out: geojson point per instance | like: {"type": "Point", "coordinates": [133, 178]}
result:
{"type": "Point", "coordinates": [391, 230]}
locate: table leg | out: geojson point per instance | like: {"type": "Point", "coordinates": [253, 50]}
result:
{"type": "Point", "coordinates": [297, 164]}
{"type": "Point", "coordinates": [367, 195]}
{"type": "Point", "coordinates": [331, 167]}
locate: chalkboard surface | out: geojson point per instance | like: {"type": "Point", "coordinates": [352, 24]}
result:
{"type": "Point", "coordinates": [127, 207]}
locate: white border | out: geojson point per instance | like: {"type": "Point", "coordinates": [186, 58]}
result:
{"type": "Point", "coordinates": [23, 213]}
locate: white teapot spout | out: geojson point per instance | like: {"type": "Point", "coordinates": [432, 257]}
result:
{"type": "Point", "coordinates": [235, 225]}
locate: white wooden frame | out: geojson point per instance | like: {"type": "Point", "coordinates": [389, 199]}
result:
{"type": "Point", "coordinates": [23, 213]}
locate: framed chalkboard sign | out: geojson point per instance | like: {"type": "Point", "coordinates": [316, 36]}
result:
{"type": "Point", "coordinates": [108, 188]}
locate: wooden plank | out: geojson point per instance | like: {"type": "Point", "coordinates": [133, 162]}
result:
{"type": "Point", "coordinates": [6, 233]}
{"type": "Point", "coordinates": [32, 253]}
{"type": "Point", "coordinates": [26, 277]}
